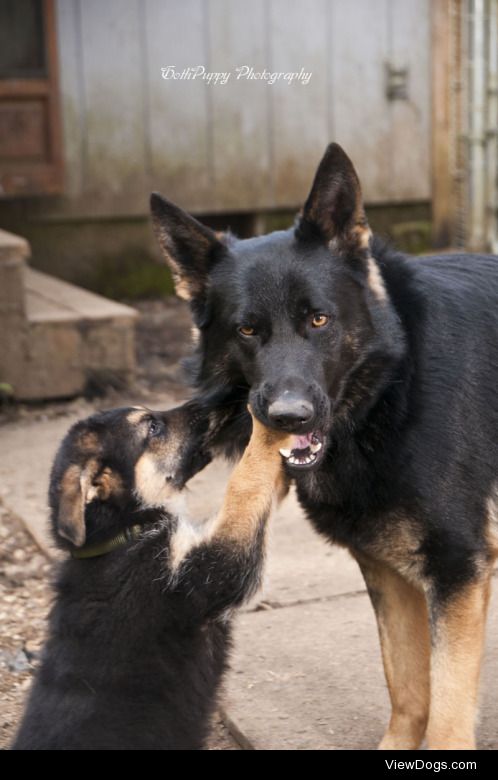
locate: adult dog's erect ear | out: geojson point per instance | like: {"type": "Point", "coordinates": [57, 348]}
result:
{"type": "Point", "coordinates": [334, 208]}
{"type": "Point", "coordinates": [189, 247]}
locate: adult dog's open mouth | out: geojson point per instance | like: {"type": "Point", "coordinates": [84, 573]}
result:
{"type": "Point", "coordinates": [307, 450]}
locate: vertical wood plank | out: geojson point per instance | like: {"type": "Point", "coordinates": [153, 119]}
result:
{"type": "Point", "coordinates": [298, 39]}
{"type": "Point", "coordinates": [360, 114]}
{"type": "Point", "coordinates": [114, 175]}
{"type": "Point", "coordinates": [71, 98]}
{"type": "Point", "coordinates": [410, 119]}
{"type": "Point", "coordinates": [240, 108]}
{"type": "Point", "coordinates": [441, 179]}
{"type": "Point", "coordinates": [180, 135]}
{"type": "Point", "coordinates": [54, 110]}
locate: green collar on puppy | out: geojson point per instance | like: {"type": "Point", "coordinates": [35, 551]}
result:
{"type": "Point", "coordinates": [94, 551]}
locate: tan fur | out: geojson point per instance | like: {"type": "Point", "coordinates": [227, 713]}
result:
{"type": "Point", "coordinates": [252, 486]}
{"type": "Point", "coordinates": [196, 335]}
{"type": "Point", "coordinates": [403, 626]}
{"type": "Point", "coordinates": [75, 487]}
{"type": "Point", "coordinates": [88, 442]}
{"type": "Point", "coordinates": [397, 546]}
{"type": "Point", "coordinates": [375, 280]}
{"type": "Point", "coordinates": [107, 484]}
{"type": "Point", "coordinates": [255, 481]}
{"type": "Point", "coordinates": [492, 524]}
{"type": "Point", "coordinates": [182, 286]}
{"type": "Point", "coordinates": [455, 666]}
{"type": "Point", "coordinates": [70, 522]}
{"type": "Point", "coordinates": [186, 286]}
{"type": "Point", "coordinates": [151, 485]}
{"type": "Point", "coordinates": [137, 416]}
{"type": "Point", "coordinates": [361, 233]}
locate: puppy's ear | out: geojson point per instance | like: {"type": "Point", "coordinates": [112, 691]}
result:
{"type": "Point", "coordinates": [190, 248]}
{"type": "Point", "coordinates": [80, 485]}
{"type": "Point", "coordinates": [334, 208]}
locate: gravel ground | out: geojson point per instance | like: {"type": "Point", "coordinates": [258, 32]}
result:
{"type": "Point", "coordinates": [163, 338]}
{"type": "Point", "coordinates": [25, 596]}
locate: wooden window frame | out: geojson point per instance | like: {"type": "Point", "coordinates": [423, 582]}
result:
{"type": "Point", "coordinates": [44, 177]}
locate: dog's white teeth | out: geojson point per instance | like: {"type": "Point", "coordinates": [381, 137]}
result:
{"type": "Point", "coordinates": [301, 461]}
{"type": "Point", "coordinates": [315, 447]}
{"type": "Point", "coordinates": [285, 453]}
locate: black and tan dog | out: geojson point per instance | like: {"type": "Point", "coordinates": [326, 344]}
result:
{"type": "Point", "coordinates": [385, 368]}
{"type": "Point", "coordinates": [140, 631]}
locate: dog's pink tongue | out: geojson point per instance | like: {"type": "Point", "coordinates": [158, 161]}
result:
{"type": "Point", "coordinates": [301, 442]}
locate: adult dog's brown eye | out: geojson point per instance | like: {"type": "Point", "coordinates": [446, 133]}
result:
{"type": "Point", "coordinates": [246, 331]}
{"type": "Point", "coordinates": [319, 320]}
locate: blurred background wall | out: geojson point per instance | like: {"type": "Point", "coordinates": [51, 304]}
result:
{"type": "Point", "coordinates": [88, 126]}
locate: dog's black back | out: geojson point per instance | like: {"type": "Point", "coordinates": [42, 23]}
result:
{"type": "Point", "coordinates": [130, 663]}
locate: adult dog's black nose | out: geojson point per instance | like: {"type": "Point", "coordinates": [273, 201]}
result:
{"type": "Point", "coordinates": [290, 410]}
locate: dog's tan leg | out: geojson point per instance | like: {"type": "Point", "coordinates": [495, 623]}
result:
{"type": "Point", "coordinates": [403, 625]}
{"type": "Point", "coordinates": [457, 642]}
{"type": "Point", "coordinates": [255, 481]}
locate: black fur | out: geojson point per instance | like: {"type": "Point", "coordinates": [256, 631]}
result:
{"type": "Point", "coordinates": [136, 652]}
{"type": "Point", "coordinates": [403, 388]}
{"type": "Point", "coordinates": [391, 362]}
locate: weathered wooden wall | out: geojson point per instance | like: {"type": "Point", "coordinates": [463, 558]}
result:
{"type": "Point", "coordinates": [245, 145]}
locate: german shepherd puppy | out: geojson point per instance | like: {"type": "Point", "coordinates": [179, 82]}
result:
{"type": "Point", "coordinates": [140, 630]}
{"type": "Point", "coordinates": [385, 369]}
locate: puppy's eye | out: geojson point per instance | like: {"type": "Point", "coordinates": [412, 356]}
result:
{"type": "Point", "coordinates": [319, 320]}
{"type": "Point", "coordinates": [246, 331]}
{"type": "Point", "coordinates": [155, 428]}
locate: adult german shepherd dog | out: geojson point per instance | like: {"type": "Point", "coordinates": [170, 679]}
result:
{"type": "Point", "coordinates": [385, 369]}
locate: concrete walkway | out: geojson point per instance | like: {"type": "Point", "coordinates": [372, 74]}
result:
{"type": "Point", "coordinates": [306, 670]}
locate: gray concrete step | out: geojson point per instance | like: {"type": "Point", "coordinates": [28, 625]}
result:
{"type": "Point", "coordinates": [52, 300]}
{"type": "Point", "coordinates": [55, 338]}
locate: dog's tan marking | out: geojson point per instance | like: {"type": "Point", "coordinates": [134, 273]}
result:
{"type": "Point", "coordinates": [88, 442]}
{"type": "Point", "coordinates": [70, 521]}
{"type": "Point", "coordinates": [137, 416]}
{"type": "Point", "coordinates": [196, 335]}
{"type": "Point", "coordinates": [492, 522]}
{"type": "Point", "coordinates": [151, 481]}
{"type": "Point", "coordinates": [458, 636]}
{"type": "Point", "coordinates": [397, 545]}
{"type": "Point", "coordinates": [187, 283]}
{"type": "Point", "coordinates": [359, 237]}
{"type": "Point", "coordinates": [252, 486]}
{"type": "Point", "coordinates": [183, 288]}
{"type": "Point", "coordinates": [403, 626]}
{"type": "Point", "coordinates": [361, 234]}
{"type": "Point", "coordinates": [255, 481]}
{"type": "Point", "coordinates": [375, 280]}
{"type": "Point", "coordinates": [159, 463]}
{"type": "Point", "coordinates": [75, 486]}
{"type": "Point", "coordinates": [106, 484]}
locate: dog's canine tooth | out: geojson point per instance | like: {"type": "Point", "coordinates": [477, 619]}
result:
{"type": "Point", "coordinates": [286, 453]}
